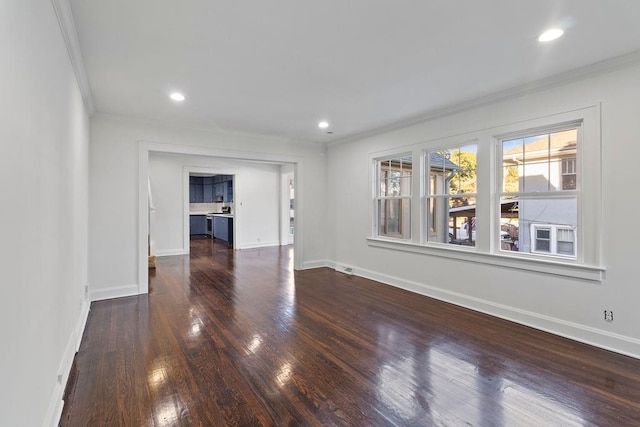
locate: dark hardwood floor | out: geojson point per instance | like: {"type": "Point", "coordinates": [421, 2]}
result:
{"type": "Point", "coordinates": [238, 338]}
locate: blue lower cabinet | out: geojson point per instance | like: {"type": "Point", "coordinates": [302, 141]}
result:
{"type": "Point", "coordinates": [223, 228]}
{"type": "Point", "coordinates": [197, 225]}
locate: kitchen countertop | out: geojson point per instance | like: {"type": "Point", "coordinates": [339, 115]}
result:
{"type": "Point", "coordinates": [211, 213]}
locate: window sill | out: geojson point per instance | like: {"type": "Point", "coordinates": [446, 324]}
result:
{"type": "Point", "coordinates": [553, 267]}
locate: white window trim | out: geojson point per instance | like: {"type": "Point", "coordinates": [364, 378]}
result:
{"type": "Point", "coordinates": [507, 260]}
{"type": "Point", "coordinates": [487, 250]}
{"type": "Point", "coordinates": [587, 120]}
{"type": "Point", "coordinates": [570, 123]}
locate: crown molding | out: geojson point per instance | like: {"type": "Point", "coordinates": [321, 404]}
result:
{"type": "Point", "coordinates": [598, 68]}
{"type": "Point", "coordinates": [63, 12]}
{"type": "Point", "coordinates": [195, 127]}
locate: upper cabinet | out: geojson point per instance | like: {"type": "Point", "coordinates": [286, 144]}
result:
{"type": "Point", "coordinates": [229, 196]}
{"type": "Point", "coordinates": [196, 189]}
{"type": "Point", "coordinates": [207, 189]}
{"type": "Point", "coordinates": [211, 189]}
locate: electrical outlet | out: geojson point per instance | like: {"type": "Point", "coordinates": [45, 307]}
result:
{"type": "Point", "coordinates": [608, 315]}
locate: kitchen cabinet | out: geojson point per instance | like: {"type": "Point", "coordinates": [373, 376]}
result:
{"type": "Point", "coordinates": [223, 228]}
{"type": "Point", "coordinates": [199, 191]}
{"type": "Point", "coordinates": [192, 192]}
{"type": "Point", "coordinates": [207, 189]}
{"type": "Point", "coordinates": [217, 191]}
{"type": "Point", "coordinates": [192, 188]}
{"type": "Point", "coordinates": [223, 187]}
{"type": "Point", "coordinates": [196, 189]}
{"type": "Point", "coordinates": [229, 196]}
{"type": "Point", "coordinates": [197, 225]}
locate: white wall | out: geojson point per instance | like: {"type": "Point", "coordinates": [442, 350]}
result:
{"type": "Point", "coordinates": [566, 306]}
{"type": "Point", "coordinates": [256, 207]}
{"type": "Point", "coordinates": [114, 191]}
{"type": "Point", "coordinates": [43, 220]}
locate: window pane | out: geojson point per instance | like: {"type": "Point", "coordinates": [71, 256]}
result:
{"type": "Point", "coordinates": [510, 179]}
{"type": "Point", "coordinates": [535, 175]}
{"type": "Point", "coordinates": [509, 224]}
{"type": "Point", "coordinates": [565, 235]}
{"type": "Point", "coordinates": [452, 220]}
{"type": "Point", "coordinates": [542, 245]}
{"type": "Point", "coordinates": [543, 234]}
{"type": "Point", "coordinates": [436, 221]}
{"type": "Point", "coordinates": [453, 171]}
{"type": "Point", "coordinates": [522, 216]}
{"type": "Point", "coordinates": [565, 248]}
{"type": "Point", "coordinates": [565, 241]}
{"type": "Point", "coordinates": [464, 179]}
{"type": "Point", "coordinates": [569, 173]}
{"type": "Point", "coordinates": [512, 160]}
{"type": "Point", "coordinates": [569, 182]}
{"type": "Point", "coordinates": [395, 177]}
{"type": "Point", "coordinates": [539, 163]}
{"type": "Point", "coordinates": [438, 171]}
{"type": "Point", "coordinates": [394, 216]}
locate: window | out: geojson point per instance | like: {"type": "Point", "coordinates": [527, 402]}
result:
{"type": "Point", "coordinates": [553, 239]}
{"type": "Point", "coordinates": [451, 197]}
{"type": "Point", "coordinates": [539, 186]}
{"type": "Point", "coordinates": [525, 195]}
{"type": "Point", "coordinates": [393, 198]}
{"type": "Point", "coordinates": [569, 174]}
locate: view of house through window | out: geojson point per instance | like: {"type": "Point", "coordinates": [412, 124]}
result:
{"type": "Point", "coordinates": [539, 198]}
{"type": "Point", "coordinates": [451, 199]}
{"type": "Point", "coordinates": [394, 197]}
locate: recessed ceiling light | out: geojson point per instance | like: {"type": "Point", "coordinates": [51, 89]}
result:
{"type": "Point", "coordinates": [551, 34]}
{"type": "Point", "coordinates": [177, 96]}
{"type": "Point", "coordinates": [323, 125]}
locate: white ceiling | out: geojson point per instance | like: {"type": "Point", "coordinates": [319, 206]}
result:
{"type": "Point", "coordinates": [278, 67]}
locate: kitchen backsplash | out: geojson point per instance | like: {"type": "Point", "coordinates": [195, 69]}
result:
{"type": "Point", "coordinates": [209, 207]}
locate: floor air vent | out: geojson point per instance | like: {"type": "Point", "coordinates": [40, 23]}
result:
{"type": "Point", "coordinates": [344, 269]}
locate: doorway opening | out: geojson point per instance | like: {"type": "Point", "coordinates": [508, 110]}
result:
{"type": "Point", "coordinates": [254, 193]}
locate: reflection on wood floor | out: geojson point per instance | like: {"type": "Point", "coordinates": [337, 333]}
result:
{"type": "Point", "coordinates": [238, 338]}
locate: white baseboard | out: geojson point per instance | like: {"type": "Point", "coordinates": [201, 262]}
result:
{"type": "Point", "coordinates": [603, 339]}
{"type": "Point", "coordinates": [115, 292]}
{"type": "Point", "coordinates": [170, 252]}
{"type": "Point", "coordinates": [56, 404]}
{"type": "Point", "coordinates": [315, 264]}
{"type": "Point", "coordinates": [54, 411]}
{"type": "Point", "coordinates": [258, 245]}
